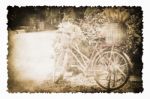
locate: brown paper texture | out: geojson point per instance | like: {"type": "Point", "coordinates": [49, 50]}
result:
{"type": "Point", "coordinates": [75, 49]}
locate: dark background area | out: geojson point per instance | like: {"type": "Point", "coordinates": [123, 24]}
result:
{"type": "Point", "coordinates": [51, 16]}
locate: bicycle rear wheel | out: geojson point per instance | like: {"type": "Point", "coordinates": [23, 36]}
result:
{"type": "Point", "coordinates": [111, 70]}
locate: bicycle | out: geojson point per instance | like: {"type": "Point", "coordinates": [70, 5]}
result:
{"type": "Point", "coordinates": [109, 66]}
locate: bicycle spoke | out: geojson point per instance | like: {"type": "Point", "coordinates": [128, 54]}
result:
{"type": "Point", "coordinates": [124, 65]}
{"type": "Point", "coordinates": [101, 75]}
{"type": "Point", "coordinates": [121, 61]}
{"type": "Point", "coordinates": [117, 60]}
{"type": "Point", "coordinates": [116, 77]}
{"type": "Point", "coordinates": [101, 60]}
{"type": "Point", "coordinates": [121, 72]}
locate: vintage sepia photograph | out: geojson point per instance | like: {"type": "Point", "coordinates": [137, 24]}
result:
{"type": "Point", "coordinates": [63, 49]}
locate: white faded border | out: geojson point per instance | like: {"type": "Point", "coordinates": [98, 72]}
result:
{"type": "Point", "coordinates": [4, 39]}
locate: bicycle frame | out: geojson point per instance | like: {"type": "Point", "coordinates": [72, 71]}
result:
{"type": "Point", "coordinates": [86, 63]}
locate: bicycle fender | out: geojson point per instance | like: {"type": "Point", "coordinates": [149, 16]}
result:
{"type": "Point", "coordinates": [128, 59]}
